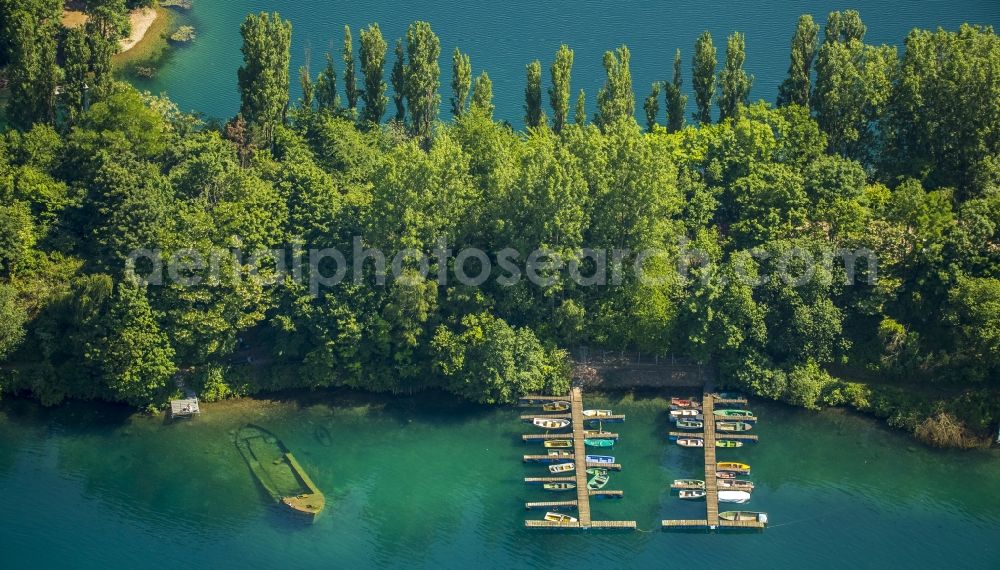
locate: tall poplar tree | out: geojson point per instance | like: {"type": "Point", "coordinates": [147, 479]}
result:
{"type": "Point", "coordinates": [399, 82]}
{"type": "Point", "coordinates": [675, 98]}
{"type": "Point", "coordinates": [263, 77]}
{"type": "Point", "coordinates": [75, 70]}
{"type": "Point", "coordinates": [580, 116]}
{"type": "Point", "coordinates": [423, 77]}
{"type": "Point", "coordinates": [652, 105]}
{"type": "Point", "coordinates": [482, 95]}
{"type": "Point", "coordinates": [34, 73]}
{"type": "Point", "coordinates": [327, 97]}
{"type": "Point", "coordinates": [616, 100]}
{"type": "Point", "coordinates": [533, 116]}
{"type": "Point", "coordinates": [734, 82]}
{"type": "Point", "coordinates": [794, 90]}
{"type": "Point", "coordinates": [559, 93]}
{"type": "Point", "coordinates": [461, 81]}
{"type": "Point", "coordinates": [350, 77]}
{"type": "Point", "coordinates": [373, 50]}
{"type": "Point", "coordinates": [703, 65]}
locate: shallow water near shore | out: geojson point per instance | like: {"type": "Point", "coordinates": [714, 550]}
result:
{"type": "Point", "coordinates": [431, 481]}
{"type": "Point", "coordinates": [502, 37]}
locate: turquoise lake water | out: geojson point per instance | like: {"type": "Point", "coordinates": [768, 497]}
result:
{"type": "Point", "coordinates": [501, 37]}
{"type": "Point", "coordinates": [431, 482]}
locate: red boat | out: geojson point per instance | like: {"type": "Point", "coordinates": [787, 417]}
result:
{"type": "Point", "coordinates": [683, 403]}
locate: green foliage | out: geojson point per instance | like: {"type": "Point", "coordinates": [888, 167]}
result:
{"type": "Point", "coordinates": [559, 93]}
{"type": "Point", "coordinates": [676, 100]}
{"type": "Point", "coordinates": [703, 65]}
{"type": "Point", "coordinates": [533, 115]}
{"type": "Point", "coordinates": [794, 90]}
{"type": "Point", "coordinates": [263, 77]}
{"type": "Point", "coordinates": [652, 106]}
{"type": "Point", "coordinates": [350, 78]}
{"type": "Point", "coordinates": [13, 317]}
{"type": "Point", "coordinates": [734, 83]}
{"type": "Point", "coordinates": [461, 81]}
{"type": "Point", "coordinates": [616, 101]}
{"type": "Point", "coordinates": [423, 77]}
{"type": "Point", "coordinates": [399, 82]}
{"type": "Point", "coordinates": [327, 97]}
{"type": "Point", "coordinates": [373, 50]}
{"type": "Point", "coordinates": [482, 96]}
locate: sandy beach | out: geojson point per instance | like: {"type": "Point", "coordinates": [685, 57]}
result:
{"type": "Point", "coordinates": [141, 22]}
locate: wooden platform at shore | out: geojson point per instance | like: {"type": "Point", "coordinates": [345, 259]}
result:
{"type": "Point", "coordinates": [184, 408]}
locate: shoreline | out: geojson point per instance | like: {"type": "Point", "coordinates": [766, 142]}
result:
{"type": "Point", "coordinates": [142, 21]}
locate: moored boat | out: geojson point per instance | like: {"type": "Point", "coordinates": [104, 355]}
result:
{"type": "Point", "coordinates": [692, 493]}
{"type": "Point", "coordinates": [597, 471]}
{"type": "Point", "coordinates": [559, 453]}
{"type": "Point", "coordinates": [690, 424]}
{"type": "Point", "coordinates": [743, 516]}
{"type": "Point", "coordinates": [562, 468]}
{"type": "Point", "coordinates": [598, 481]}
{"type": "Point", "coordinates": [278, 472]}
{"type": "Point", "coordinates": [559, 486]}
{"type": "Point", "coordinates": [730, 443]}
{"type": "Point", "coordinates": [729, 496]}
{"type": "Point", "coordinates": [733, 413]}
{"type": "Point", "coordinates": [690, 442]}
{"type": "Point", "coordinates": [596, 433]}
{"type": "Point", "coordinates": [732, 466]}
{"type": "Point", "coordinates": [597, 413]}
{"type": "Point", "coordinates": [559, 518]}
{"type": "Point", "coordinates": [733, 426]}
{"type": "Point", "coordinates": [605, 459]}
{"type": "Point", "coordinates": [682, 483]}
{"type": "Point", "coordinates": [558, 406]}
{"type": "Point", "coordinates": [735, 483]}
{"type": "Point", "coordinates": [685, 413]}
{"type": "Point", "coordinates": [558, 443]}
{"type": "Point", "coordinates": [678, 403]}
{"type": "Point", "coordinates": [599, 442]}
{"type": "Point", "coordinates": [550, 423]}
{"type": "Point", "coordinates": [725, 475]}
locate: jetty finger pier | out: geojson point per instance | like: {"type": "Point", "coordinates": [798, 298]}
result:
{"type": "Point", "coordinates": [578, 457]}
{"type": "Point", "coordinates": [565, 453]}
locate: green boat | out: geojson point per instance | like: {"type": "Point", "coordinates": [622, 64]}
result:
{"type": "Point", "coordinates": [598, 481]}
{"type": "Point", "coordinates": [559, 486]}
{"type": "Point", "coordinates": [599, 442]}
{"type": "Point", "coordinates": [733, 426]}
{"type": "Point", "coordinates": [728, 443]}
{"type": "Point", "coordinates": [278, 472]}
{"type": "Point", "coordinates": [733, 413]}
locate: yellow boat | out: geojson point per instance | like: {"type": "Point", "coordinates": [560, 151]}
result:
{"type": "Point", "coordinates": [732, 466]}
{"type": "Point", "coordinates": [558, 443]}
{"type": "Point", "coordinates": [559, 518]}
{"type": "Point", "coordinates": [561, 468]}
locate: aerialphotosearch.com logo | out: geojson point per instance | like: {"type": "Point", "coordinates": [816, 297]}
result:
{"type": "Point", "coordinates": [322, 268]}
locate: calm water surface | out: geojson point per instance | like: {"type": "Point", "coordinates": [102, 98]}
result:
{"type": "Point", "coordinates": [431, 482]}
{"type": "Point", "coordinates": [501, 37]}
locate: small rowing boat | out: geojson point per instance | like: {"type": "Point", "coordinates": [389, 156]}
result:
{"type": "Point", "coordinates": [599, 442]}
{"type": "Point", "coordinates": [735, 484]}
{"type": "Point", "coordinates": [604, 459]}
{"type": "Point", "coordinates": [561, 468]}
{"type": "Point", "coordinates": [733, 426]}
{"type": "Point", "coordinates": [686, 413]}
{"type": "Point", "coordinates": [690, 424]}
{"type": "Point", "coordinates": [597, 471]}
{"type": "Point", "coordinates": [743, 516]}
{"type": "Point", "coordinates": [558, 406]}
{"type": "Point", "coordinates": [729, 443]}
{"type": "Point", "coordinates": [597, 413]}
{"type": "Point", "coordinates": [549, 423]}
{"type": "Point", "coordinates": [733, 466]}
{"type": "Point", "coordinates": [733, 413]}
{"type": "Point", "coordinates": [557, 443]}
{"type": "Point", "coordinates": [559, 453]}
{"type": "Point", "coordinates": [692, 494]}
{"type": "Point", "coordinates": [739, 497]}
{"type": "Point", "coordinates": [559, 486]}
{"type": "Point", "coordinates": [684, 483]}
{"type": "Point", "coordinates": [559, 518]}
{"type": "Point", "coordinates": [598, 481]}
{"type": "Point", "coordinates": [690, 442]}
{"type": "Point", "coordinates": [725, 475]}
{"type": "Point", "coordinates": [678, 403]}
{"type": "Point", "coordinates": [596, 433]}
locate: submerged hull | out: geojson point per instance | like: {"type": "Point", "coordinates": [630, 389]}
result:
{"type": "Point", "coordinates": [278, 472]}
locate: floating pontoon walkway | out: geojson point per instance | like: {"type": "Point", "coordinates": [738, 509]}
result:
{"type": "Point", "coordinates": [612, 418]}
{"type": "Point", "coordinates": [711, 520]}
{"type": "Point", "coordinates": [722, 435]}
{"type": "Point", "coordinates": [545, 436]}
{"type": "Point", "coordinates": [579, 458]}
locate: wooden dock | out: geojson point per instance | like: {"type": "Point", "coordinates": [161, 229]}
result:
{"type": "Point", "coordinates": [612, 418]}
{"type": "Point", "coordinates": [548, 458]}
{"type": "Point", "coordinates": [579, 458]}
{"type": "Point", "coordinates": [711, 520]}
{"type": "Point", "coordinates": [184, 408]}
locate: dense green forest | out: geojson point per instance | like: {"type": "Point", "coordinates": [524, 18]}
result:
{"type": "Point", "coordinates": [869, 148]}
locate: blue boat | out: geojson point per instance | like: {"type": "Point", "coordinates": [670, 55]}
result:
{"type": "Point", "coordinates": [600, 459]}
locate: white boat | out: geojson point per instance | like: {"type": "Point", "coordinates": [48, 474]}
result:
{"type": "Point", "coordinates": [684, 413]}
{"type": "Point", "coordinates": [549, 423]}
{"type": "Point", "coordinates": [597, 413]}
{"type": "Point", "coordinates": [560, 453]}
{"type": "Point", "coordinates": [559, 518]}
{"type": "Point", "coordinates": [734, 496]}
{"type": "Point", "coordinates": [608, 459]}
{"type": "Point", "coordinates": [562, 468]}
{"type": "Point", "coordinates": [690, 442]}
{"type": "Point", "coordinates": [692, 493]}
